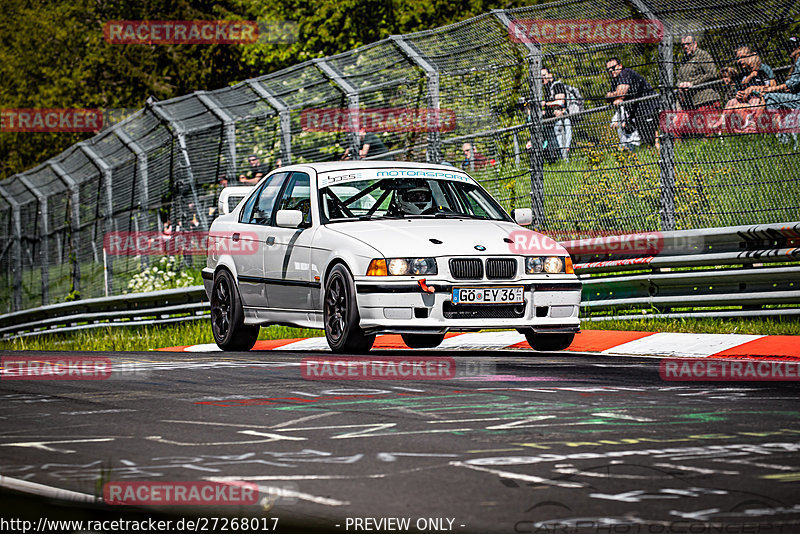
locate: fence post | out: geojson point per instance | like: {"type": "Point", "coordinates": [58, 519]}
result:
{"type": "Point", "coordinates": [230, 129]}
{"type": "Point", "coordinates": [666, 81]}
{"type": "Point", "coordinates": [284, 115]}
{"type": "Point", "coordinates": [16, 250]}
{"type": "Point", "coordinates": [353, 120]}
{"type": "Point", "coordinates": [44, 241]}
{"type": "Point", "coordinates": [75, 221]}
{"type": "Point", "coordinates": [177, 131]}
{"type": "Point", "coordinates": [434, 152]}
{"type": "Point", "coordinates": [105, 171]}
{"type": "Point", "coordinates": [535, 123]}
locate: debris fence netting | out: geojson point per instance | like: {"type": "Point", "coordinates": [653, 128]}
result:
{"type": "Point", "coordinates": [474, 95]}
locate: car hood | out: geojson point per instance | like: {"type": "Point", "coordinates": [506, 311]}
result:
{"type": "Point", "coordinates": [458, 237]}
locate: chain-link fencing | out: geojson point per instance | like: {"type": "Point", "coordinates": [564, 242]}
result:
{"type": "Point", "coordinates": [586, 162]}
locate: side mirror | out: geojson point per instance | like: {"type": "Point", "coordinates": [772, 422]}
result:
{"type": "Point", "coordinates": [237, 193]}
{"type": "Point", "coordinates": [289, 218]}
{"type": "Point", "coordinates": [522, 216]}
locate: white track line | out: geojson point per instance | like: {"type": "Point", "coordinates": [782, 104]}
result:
{"type": "Point", "coordinates": [45, 491]}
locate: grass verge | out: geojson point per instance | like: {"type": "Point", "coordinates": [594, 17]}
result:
{"type": "Point", "coordinates": [140, 337]}
{"type": "Point", "coordinates": [192, 333]}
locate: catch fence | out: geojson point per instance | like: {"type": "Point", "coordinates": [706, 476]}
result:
{"type": "Point", "coordinates": [160, 169]}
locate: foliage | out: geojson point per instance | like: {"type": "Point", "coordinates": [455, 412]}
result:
{"type": "Point", "coordinates": [164, 275]}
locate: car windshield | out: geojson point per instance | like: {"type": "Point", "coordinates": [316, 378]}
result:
{"type": "Point", "coordinates": [407, 198]}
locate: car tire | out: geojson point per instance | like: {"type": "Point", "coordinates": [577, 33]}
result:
{"type": "Point", "coordinates": [548, 342]}
{"type": "Point", "coordinates": [227, 316]}
{"type": "Point", "coordinates": [340, 314]}
{"type": "Point", "coordinates": [422, 341]}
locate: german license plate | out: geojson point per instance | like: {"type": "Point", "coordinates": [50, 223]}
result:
{"type": "Point", "coordinates": [488, 295]}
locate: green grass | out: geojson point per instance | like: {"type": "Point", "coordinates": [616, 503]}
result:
{"type": "Point", "coordinates": [144, 338]}
{"type": "Point", "coordinates": [140, 337]}
{"type": "Point", "coordinates": [727, 181]}
{"type": "Point", "coordinates": [757, 326]}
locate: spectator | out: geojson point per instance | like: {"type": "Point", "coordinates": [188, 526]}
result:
{"type": "Point", "coordinates": [627, 85]}
{"type": "Point", "coordinates": [697, 67]}
{"type": "Point", "coordinates": [550, 151]}
{"type": "Point", "coordinates": [371, 146]}
{"type": "Point", "coordinates": [472, 158]}
{"type": "Point", "coordinates": [554, 104]}
{"type": "Point", "coordinates": [730, 81]}
{"type": "Point", "coordinates": [787, 94]}
{"type": "Point", "coordinates": [256, 172]}
{"type": "Point", "coordinates": [748, 103]}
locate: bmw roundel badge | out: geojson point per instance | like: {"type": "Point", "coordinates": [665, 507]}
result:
{"type": "Point", "coordinates": [480, 247]}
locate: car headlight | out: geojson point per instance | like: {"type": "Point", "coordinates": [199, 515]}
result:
{"type": "Point", "coordinates": [553, 265]}
{"type": "Point", "coordinates": [549, 264]}
{"type": "Point", "coordinates": [533, 265]}
{"type": "Point", "coordinates": [402, 266]}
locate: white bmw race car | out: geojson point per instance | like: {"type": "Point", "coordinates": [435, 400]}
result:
{"type": "Point", "coordinates": [361, 248]}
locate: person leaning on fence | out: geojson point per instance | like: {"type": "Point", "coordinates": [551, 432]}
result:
{"type": "Point", "coordinates": [787, 94]}
{"type": "Point", "coordinates": [256, 171]}
{"type": "Point", "coordinates": [626, 85]}
{"type": "Point", "coordinates": [554, 104]}
{"type": "Point", "coordinates": [371, 146]}
{"type": "Point", "coordinates": [741, 113]}
{"type": "Point", "coordinates": [697, 67]}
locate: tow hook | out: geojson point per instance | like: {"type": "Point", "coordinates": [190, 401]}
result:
{"type": "Point", "coordinates": [425, 287]}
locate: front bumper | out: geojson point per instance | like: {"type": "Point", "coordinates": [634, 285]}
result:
{"type": "Point", "coordinates": [403, 307]}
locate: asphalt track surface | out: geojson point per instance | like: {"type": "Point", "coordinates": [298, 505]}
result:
{"type": "Point", "coordinates": [516, 442]}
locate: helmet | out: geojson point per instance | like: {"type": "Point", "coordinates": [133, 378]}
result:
{"type": "Point", "coordinates": [414, 201]}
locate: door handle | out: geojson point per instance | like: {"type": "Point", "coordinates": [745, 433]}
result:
{"type": "Point", "coordinates": [271, 240]}
{"type": "Point", "coordinates": [235, 236]}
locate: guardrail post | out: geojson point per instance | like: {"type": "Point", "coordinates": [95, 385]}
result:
{"type": "Point", "coordinates": [284, 113]}
{"type": "Point", "coordinates": [353, 120]}
{"type": "Point", "coordinates": [75, 221]}
{"type": "Point", "coordinates": [105, 171]}
{"type": "Point", "coordinates": [44, 241]}
{"type": "Point", "coordinates": [176, 131]}
{"type": "Point", "coordinates": [16, 249]}
{"type": "Point", "coordinates": [434, 152]}
{"type": "Point", "coordinates": [141, 170]}
{"type": "Point", "coordinates": [666, 77]}
{"type": "Point", "coordinates": [535, 123]}
{"type": "Point", "coordinates": [230, 128]}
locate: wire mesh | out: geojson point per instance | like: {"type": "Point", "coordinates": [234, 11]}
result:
{"type": "Point", "coordinates": [594, 167]}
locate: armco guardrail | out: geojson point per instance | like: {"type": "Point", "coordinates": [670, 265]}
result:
{"type": "Point", "coordinates": [737, 271]}
{"type": "Point", "coordinates": [156, 307]}
{"type": "Point", "coordinates": [718, 272]}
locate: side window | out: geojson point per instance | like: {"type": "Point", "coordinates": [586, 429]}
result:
{"type": "Point", "coordinates": [259, 207]}
{"type": "Point", "coordinates": [297, 196]}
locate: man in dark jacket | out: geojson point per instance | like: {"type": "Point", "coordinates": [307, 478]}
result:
{"type": "Point", "coordinates": [697, 67]}
{"type": "Point", "coordinates": [627, 85]}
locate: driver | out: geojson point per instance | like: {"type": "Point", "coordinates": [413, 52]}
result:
{"type": "Point", "coordinates": [415, 201]}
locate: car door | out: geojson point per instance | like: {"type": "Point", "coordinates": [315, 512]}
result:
{"type": "Point", "coordinates": [256, 225]}
{"type": "Point", "coordinates": [288, 251]}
